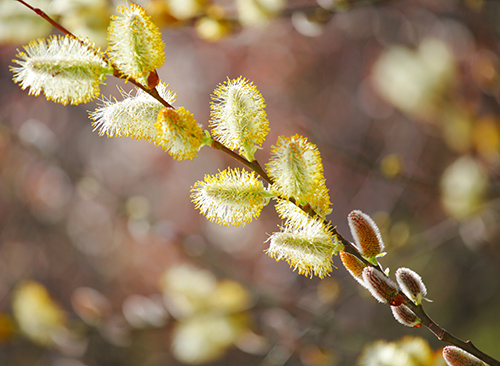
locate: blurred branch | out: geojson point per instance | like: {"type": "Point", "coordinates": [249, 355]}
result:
{"type": "Point", "coordinates": [445, 336]}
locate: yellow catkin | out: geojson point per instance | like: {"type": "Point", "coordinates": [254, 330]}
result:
{"type": "Point", "coordinates": [135, 44]}
{"type": "Point", "coordinates": [297, 172]}
{"type": "Point", "coordinates": [178, 133]}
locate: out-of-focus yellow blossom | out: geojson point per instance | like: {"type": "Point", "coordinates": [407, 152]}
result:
{"type": "Point", "coordinates": [308, 25]}
{"type": "Point", "coordinates": [84, 18]}
{"type": "Point", "coordinates": [215, 24]}
{"type": "Point", "coordinates": [457, 127]}
{"type": "Point", "coordinates": [19, 24]}
{"type": "Point", "coordinates": [391, 165]}
{"type": "Point", "coordinates": [486, 138]}
{"type": "Point", "coordinates": [211, 314]}
{"type": "Point", "coordinates": [409, 351]}
{"type": "Point", "coordinates": [160, 13]}
{"type": "Point", "coordinates": [415, 81]}
{"type": "Point", "coordinates": [37, 314]}
{"type": "Point", "coordinates": [187, 290]}
{"type": "Point", "coordinates": [213, 29]}
{"type": "Point", "coordinates": [258, 12]}
{"type": "Point", "coordinates": [185, 9]}
{"type": "Point", "coordinates": [205, 337]}
{"type": "Point", "coordinates": [229, 297]}
{"type": "Point", "coordinates": [463, 187]}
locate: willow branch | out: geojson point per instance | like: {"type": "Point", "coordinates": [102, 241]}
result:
{"type": "Point", "coordinates": [445, 336]}
{"type": "Point", "coordinates": [41, 13]}
{"type": "Point", "coordinates": [253, 165]}
{"type": "Point", "coordinates": [441, 333]}
{"type": "Point", "coordinates": [117, 73]}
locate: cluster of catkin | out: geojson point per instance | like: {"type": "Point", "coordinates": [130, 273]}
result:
{"type": "Point", "coordinates": [70, 70]}
{"type": "Point", "coordinates": [369, 274]}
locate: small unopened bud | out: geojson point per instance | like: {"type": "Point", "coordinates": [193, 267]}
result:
{"type": "Point", "coordinates": [381, 287]}
{"type": "Point", "coordinates": [405, 316]}
{"type": "Point", "coordinates": [354, 266]}
{"type": "Point", "coordinates": [411, 284]}
{"type": "Point", "coordinates": [153, 79]}
{"type": "Point", "coordinates": [455, 356]}
{"type": "Point", "coordinates": [366, 234]}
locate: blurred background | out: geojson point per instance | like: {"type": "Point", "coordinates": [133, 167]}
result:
{"type": "Point", "coordinates": [105, 261]}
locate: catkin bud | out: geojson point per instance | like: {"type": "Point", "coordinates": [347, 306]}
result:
{"type": "Point", "coordinates": [354, 266]}
{"type": "Point", "coordinates": [411, 284]}
{"type": "Point", "coordinates": [381, 287]}
{"type": "Point", "coordinates": [455, 356]}
{"type": "Point", "coordinates": [405, 316]}
{"type": "Point", "coordinates": [366, 234]}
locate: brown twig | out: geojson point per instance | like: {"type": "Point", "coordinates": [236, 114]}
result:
{"type": "Point", "coordinates": [445, 336]}
{"type": "Point", "coordinates": [253, 165]}
{"type": "Point", "coordinates": [441, 333]}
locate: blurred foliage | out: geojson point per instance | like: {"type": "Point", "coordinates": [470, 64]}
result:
{"type": "Point", "coordinates": [409, 351]}
{"type": "Point", "coordinates": [38, 316]}
{"type": "Point", "coordinates": [209, 313]}
{"type": "Point", "coordinates": [104, 261]}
